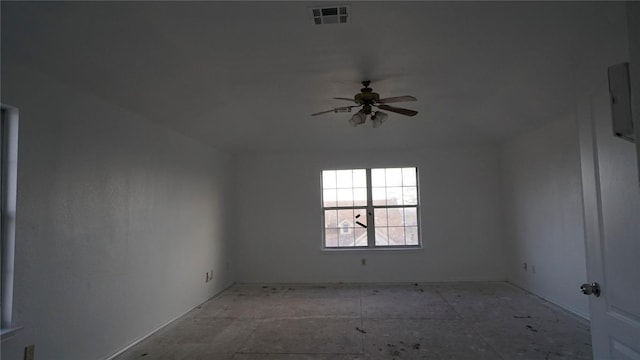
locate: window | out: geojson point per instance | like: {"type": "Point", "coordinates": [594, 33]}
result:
{"type": "Point", "coordinates": [8, 178]}
{"type": "Point", "coordinates": [370, 208]}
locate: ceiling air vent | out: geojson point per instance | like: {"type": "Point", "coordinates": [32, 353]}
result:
{"type": "Point", "coordinates": [330, 15]}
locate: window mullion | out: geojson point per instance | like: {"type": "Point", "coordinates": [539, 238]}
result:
{"type": "Point", "coordinates": [371, 227]}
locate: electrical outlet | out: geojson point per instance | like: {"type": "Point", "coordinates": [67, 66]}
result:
{"type": "Point", "coordinates": [524, 266]}
{"type": "Point", "coordinates": [206, 279]}
{"type": "Point", "coordinates": [30, 352]}
{"type": "Point", "coordinates": [364, 261]}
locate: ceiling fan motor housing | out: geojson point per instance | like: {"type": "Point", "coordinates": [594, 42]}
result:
{"type": "Point", "coordinates": [367, 97]}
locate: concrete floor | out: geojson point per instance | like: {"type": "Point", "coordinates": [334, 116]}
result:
{"type": "Point", "coordinates": [339, 322]}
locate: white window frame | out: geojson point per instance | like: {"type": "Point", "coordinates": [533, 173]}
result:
{"type": "Point", "coordinates": [8, 195]}
{"type": "Point", "coordinates": [370, 211]}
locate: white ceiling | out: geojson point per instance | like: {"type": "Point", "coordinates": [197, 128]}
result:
{"type": "Point", "coordinates": [245, 76]}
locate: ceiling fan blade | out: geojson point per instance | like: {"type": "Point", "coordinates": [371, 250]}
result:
{"type": "Point", "coordinates": [336, 110]}
{"type": "Point", "coordinates": [322, 112]}
{"type": "Point", "coordinates": [398, 110]}
{"type": "Point", "coordinates": [397, 99]}
{"type": "Point", "coordinates": [342, 98]}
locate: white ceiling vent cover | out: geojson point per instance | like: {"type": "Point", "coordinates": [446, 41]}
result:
{"type": "Point", "coordinates": [335, 14]}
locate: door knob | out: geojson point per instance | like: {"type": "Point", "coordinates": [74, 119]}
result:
{"type": "Point", "coordinates": [591, 289]}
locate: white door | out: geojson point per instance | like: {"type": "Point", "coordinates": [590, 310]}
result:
{"type": "Point", "coordinates": [612, 217]}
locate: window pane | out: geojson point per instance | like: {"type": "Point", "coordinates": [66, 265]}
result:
{"type": "Point", "coordinates": [361, 236]}
{"type": "Point", "coordinates": [382, 236]}
{"type": "Point", "coordinates": [360, 216]}
{"type": "Point", "coordinates": [377, 178]}
{"type": "Point", "coordinates": [394, 177]}
{"type": "Point", "coordinates": [411, 235]}
{"type": "Point", "coordinates": [344, 179]}
{"type": "Point", "coordinates": [360, 178]}
{"type": "Point", "coordinates": [409, 177]}
{"type": "Point", "coordinates": [331, 219]}
{"type": "Point", "coordinates": [329, 179]}
{"type": "Point", "coordinates": [345, 218]}
{"type": "Point", "coordinates": [345, 238]}
{"type": "Point", "coordinates": [345, 197]}
{"type": "Point", "coordinates": [396, 236]}
{"type": "Point", "coordinates": [380, 217]}
{"type": "Point", "coordinates": [331, 237]}
{"type": "Point", "coordinates": [410, 195]}
{"type": "Point", "coordinates": [395, 217]}
{"type": "Point", "coordinates": [379, 196]}
{"type": "Point", "coordinates": [394, 196]}
{"type": "Point", "coordinates": [329, 197]}
{"type": "Point", "coordinates": [410, 217]}
{"type": "Point", "coordinates": [360, 196]}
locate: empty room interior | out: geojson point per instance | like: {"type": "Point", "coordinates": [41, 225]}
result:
{"type": "Point", "coordinates": [320, 180]}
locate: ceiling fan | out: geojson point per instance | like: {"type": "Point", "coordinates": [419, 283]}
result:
{"type": "Point", "coordinates": [368, 100]}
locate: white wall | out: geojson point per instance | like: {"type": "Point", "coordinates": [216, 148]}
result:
{"type": "Point", "coordinates": [118, 221]}
{"type": "Point", "coordinates": [633, 27]}
{"type": "Point", "coordinates": [278, 218]}
{"type": "Point", "coordinates": [543, 214]}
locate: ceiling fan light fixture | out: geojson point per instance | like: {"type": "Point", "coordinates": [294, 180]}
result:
{"type": "Point", "coordinates": [358, 118]}
{"type": "Point", "coordinates": [378, 118]}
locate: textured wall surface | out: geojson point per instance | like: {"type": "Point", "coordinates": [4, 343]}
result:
{"type": "Point", "coordinates": [118, 221]}
{"type": "Point", "coordinates": [279, 230]}
{"type": "Point", "coordinates": [633, 27]}
{"type": "Point", "coordinates": [543, 214]}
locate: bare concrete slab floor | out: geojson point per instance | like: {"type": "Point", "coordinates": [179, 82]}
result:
{"type": "Point", "coordinates": [455, 321]}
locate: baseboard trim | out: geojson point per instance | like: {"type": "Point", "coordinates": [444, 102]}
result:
{"type": "Point", "coordinates": [140, 339]}
{"type": "Point", "coordinates": [572, 311]}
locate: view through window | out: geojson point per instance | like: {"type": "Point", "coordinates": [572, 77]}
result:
{"type": "Point", "coordinates": [370, 208]}
{"type": "Point", "coordinates": [8, 178]}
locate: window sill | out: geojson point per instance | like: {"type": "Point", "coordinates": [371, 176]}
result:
{"type": "Point", "coordinates": [368, 249]}
{"type": "Point", "coordinates": [7, 333]}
